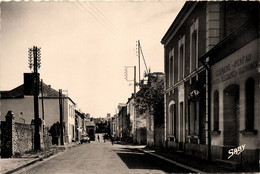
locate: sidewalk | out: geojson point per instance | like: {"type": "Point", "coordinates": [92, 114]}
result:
{"type": "Point", "coordinates": [195, 164]}
{"type": "Point", "coordinates": [10, 165]}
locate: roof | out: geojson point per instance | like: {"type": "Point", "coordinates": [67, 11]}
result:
{"type": "Point", "coordinates": [91, 123]}
{"type": "Point", "coordinates": [18, 92]}
{"type": "Point", "coordinates": [79, 114]}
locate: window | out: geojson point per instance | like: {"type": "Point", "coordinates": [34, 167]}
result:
{"type": "Point", "coordinates": [193, 113]}
{"type": "Point", "coordinates": [171, 67]}
{"type": "Point", "coordinates": [250, 93]}
{"type": "Point", "coordinates": [172, 119]}
{"type": "Point", "coordinates": [181, 58]}
{"type": "Point", "coordinates": [216, 111]}
{"type": "Point", "coordinates": [194, 46]}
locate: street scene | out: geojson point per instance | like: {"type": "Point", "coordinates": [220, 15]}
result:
{"type": "Point", "coordinates": [129, 87]}
{"type": "Point", "coordinates": [100, 157]}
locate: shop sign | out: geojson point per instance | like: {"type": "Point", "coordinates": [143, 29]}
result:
{"type": "Point", "coordinates": [234, 68]}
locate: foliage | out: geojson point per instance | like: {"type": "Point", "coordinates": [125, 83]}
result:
{"type": "Point", "coordinates": [152, 99]}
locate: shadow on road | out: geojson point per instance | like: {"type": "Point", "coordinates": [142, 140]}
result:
{"type": "Point", "coordinates": [134, 159]}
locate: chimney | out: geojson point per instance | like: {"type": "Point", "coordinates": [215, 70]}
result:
{"type": "Point", "coordinates": [28, 83]}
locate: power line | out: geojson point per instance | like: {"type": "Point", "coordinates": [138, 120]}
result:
{"type": "Point", "coordinates": [102, 16]}
{"type": "Point", "coordinates": [98, 21]}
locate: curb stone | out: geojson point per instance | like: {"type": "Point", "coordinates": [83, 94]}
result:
{"type": "Point", "coordinates": [22, 166]}
{"type": "Point", "coordinates": [40, 158]}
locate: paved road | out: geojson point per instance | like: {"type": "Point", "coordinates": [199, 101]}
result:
{"type": "Point", "coordinates": [100, 157]}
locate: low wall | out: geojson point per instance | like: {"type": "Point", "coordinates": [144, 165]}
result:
{"type": "Point", "coordinates": [199, 150]}
{"type": "Point", "coordinates": [18, 138]}
{"type": "Point", "coordinates": [141, 136]}
{"type": "Point", "coordinates": [23, 138]}
{"type": "Point", "coordinates": [159, 135]}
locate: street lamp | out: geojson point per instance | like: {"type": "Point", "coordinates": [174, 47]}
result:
{"type": "Point", "coordinates": [34, 57]}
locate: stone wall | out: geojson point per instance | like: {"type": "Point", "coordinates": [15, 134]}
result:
{"type": "Point", "coordinates": [141, 135]}
{"type": "Point", "coordinates": [18, 138]}
{"type": "Point", "coordinates": [22, 138]}
{"type": "Point", "coordinates": [159, 135]}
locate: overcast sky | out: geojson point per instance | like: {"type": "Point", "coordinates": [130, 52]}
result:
{"type": "Point", "coordinates": [84, 45]}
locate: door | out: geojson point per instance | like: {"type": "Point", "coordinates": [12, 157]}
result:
{"type": "Point", "coordinates": [231, 108]}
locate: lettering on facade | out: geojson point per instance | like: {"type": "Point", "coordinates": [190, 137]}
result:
{"type": "Point", "coordinates": [236, 151]}
{"type": "Point", "coordinates": [235, 68]}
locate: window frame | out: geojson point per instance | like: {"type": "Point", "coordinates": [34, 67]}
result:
{"type": "Point", "coordinates": [194, 28]}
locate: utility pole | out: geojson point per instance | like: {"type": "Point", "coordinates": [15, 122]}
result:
{"type": "Point", "coordinates": [42, 106]}
{"type": "Point", "coordinates": [61, 116]}
{"type": "Point", "coordinates": [42, 100]}
{"type": "Point", "coordinates": [36, 63]}
{"type": "Point", "coordinates": [135, 82]}
{"type": "Point", "coordinates": [138, 54]}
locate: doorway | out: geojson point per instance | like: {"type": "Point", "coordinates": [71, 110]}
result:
{"type": "Point", "coordinates": [231, 111]}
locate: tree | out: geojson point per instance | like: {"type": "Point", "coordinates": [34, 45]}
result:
{"type": "Point", "coordinates": [152, 99]}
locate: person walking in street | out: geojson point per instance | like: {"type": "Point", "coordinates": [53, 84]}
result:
{"type": "Point", "coordinates": [112, 140]}
{"type": "Point", "coordinates": [98, 138]}
{"type": "Point", "coordinates": [104, 138]}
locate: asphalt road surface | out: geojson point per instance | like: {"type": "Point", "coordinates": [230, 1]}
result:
{"type": "Point", "coordinates": [100, 157]}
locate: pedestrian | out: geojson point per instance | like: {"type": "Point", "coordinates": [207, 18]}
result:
{"type": "Point", "coordinates": [98, 138]}
{"type": "Point", "coordinates": [112, 140]}
{"type": "Point", "coordinates": [104, 137]}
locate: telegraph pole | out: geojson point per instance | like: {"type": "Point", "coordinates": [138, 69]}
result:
{"type": "Point", "coordinates": [138, 54]}
{"type": "Point", "coordinates": [135, 82]}
{"type": "Point", "coordinates": [36, 64]}
{"type": "Point", "coordinates": [61, 117]}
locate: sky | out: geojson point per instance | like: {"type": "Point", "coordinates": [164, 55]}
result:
{"type": "Point", "coordinates": [85, 46]}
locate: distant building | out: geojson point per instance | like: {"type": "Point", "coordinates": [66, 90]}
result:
{"type": "Point", "coordinates": [112, 124]}
{"type": "Point", "coordinates": [132, 117]}
{"type": "Point", "coordinates": [80, 124]}
{"type": "Point", "coordinates": [91, 129]}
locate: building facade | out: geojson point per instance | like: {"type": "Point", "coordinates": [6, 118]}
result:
{"type": "Point", "coordinates": [185, 81]}
{"type": "Point", "coordinates": [234, 85]}
{"type": "Point", "coordinates": [212, 82]}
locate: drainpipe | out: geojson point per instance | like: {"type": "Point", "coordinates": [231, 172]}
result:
{"type": "Point", "coordinates": [209, 107]}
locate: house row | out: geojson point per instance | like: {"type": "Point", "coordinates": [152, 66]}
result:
{"type": "Point", "coordinates": [211, 85]}
{"type": "Point", "coordinates": [140, 119]}
{"type": "Point", "coordinates": [52, 107]}
{"type": "Point", "coordinates": [211, 92]}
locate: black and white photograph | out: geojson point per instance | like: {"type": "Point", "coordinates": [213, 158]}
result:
{"type": "Point", "coordinates": [129, 86]}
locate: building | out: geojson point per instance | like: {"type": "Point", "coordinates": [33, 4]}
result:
{"type": "Point", "coordinates": [211, 75]}
{"type": "Point", "coordinates": [132, 117]}
{"type": "Point", "coordinates": [91, 129]}
{"type": "Point", "coordinates": [112, 124]}
{"type": "Point", "coordinates": [124, 123]}
{"type": "Point", "coordinates": [80, 124]}
{"type": "Point", "coordinates": [20, 101]}
{"type": "Point", "coordinates": [234, 85]}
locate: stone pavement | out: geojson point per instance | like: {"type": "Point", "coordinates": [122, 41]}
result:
{"type": "Point", "coordinates": [10, 165]}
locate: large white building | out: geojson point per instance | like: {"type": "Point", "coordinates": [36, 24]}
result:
{"type": "Point", "coordinates": [20, 101]}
